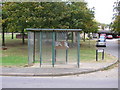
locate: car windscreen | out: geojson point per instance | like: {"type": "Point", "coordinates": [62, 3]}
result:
{"type": "Point", "coordinates": [102, 37]}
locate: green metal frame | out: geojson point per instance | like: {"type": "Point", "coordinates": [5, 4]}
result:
{"type": "Point", "coordinates": [40, 49]}
{"type": "Point", "coordinates": [66, 49]}
{"type": "Point", "coordinates": [53, 48]}
{"type": "Point", "coordinates": [78, 48]}
{"type": "Point", "coordinates": [29, 48]}
{"type": "Point", "coordinates": [34, 50]}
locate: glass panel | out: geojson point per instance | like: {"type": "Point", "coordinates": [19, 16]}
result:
{"type": "Point", "coordinates": [30, 47]}
{"type": "Point", "coordinates": [72, 51]}
{"type": "Point", "coordinates": [37, 46]}
{"type": "Point", "coordinates": [60, 47]}
{"type": "Point", "coordinates": [47, 47]}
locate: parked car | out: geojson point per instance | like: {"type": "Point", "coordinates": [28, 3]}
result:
{"type": "Point", "coordinates": [118, 36]}
{"type": "Point", "coordinates": [109, 37]}
{"type": "Point", "coordinates": [101, 43]}
{"type": "Point", "coordinates": [95, 35]}
{"type": "Point", "coordinates": [20, 36]}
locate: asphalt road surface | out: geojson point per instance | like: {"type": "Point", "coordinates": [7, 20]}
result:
{"type": "Point", "coordinates": [111, 47]}
{"type": "Point", "coordinates": [28, 82]}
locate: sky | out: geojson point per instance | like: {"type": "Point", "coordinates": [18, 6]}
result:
{"type": "Point", "coordinates": [103, 10]}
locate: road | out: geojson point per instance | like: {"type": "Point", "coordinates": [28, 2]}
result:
{"type": "Point", "coordinates": [20, 82]}
{"type": "Point", "coordinates": [101, 79]}
{"type": "Point", "coordinates": [111, 47]}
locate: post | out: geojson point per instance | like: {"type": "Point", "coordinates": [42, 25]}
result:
{"type": "Point", "coordinates": [40, 49]}
{"type": "Point", "coordinates": [53, 48]}
{"type": "Point", "coordinates": [29, 53]}
{"type": "Point", "coordinates": [103, 55]}
{"type": "Point", "coordinates": [66, 48]}
{"type": "Point", "coordinates": [66, 55]}
{"type": "Point", "coordinates": [96, 55]}
{"type": "Point", "coordinates": [78, 48]}
{"type": "Point", "coordinates": [34, 49]}
{"type": "Point", "coordinates": [55, 55]}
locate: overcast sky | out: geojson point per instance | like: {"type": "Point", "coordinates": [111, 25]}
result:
{"type": "Point", "coordinates": [103, 9]}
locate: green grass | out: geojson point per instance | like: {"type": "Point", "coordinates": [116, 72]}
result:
{"type": "Point", "coordinates": [17, 53]}
{"type": "Point", "coordinates": [14, 60]}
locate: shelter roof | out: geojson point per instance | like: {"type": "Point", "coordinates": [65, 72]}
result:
{"type": "Point", "coordinates": [57, 30]}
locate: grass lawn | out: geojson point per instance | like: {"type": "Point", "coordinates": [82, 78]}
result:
{"type": "Point", "coordinates": [17, 53]}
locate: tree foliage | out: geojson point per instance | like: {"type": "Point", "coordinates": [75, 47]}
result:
{"type": "Point", "coordinates": [16, 16]}
{"type": "Point", "coordinates": [20, 15]}
{"type": "Point", "coordinates": [116, 23]}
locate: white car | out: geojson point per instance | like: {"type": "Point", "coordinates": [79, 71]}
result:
{"type": "Point", "coordinates": [101, 43]}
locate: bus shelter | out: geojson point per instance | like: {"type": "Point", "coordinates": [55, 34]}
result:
{"type": "Point", "coordinates": [53, 46]}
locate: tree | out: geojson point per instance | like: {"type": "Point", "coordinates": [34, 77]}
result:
{"type": "Point", "coordinates": [116, 23]}
{"type": "Point", "coordinates": [17, 16]}
{"type": "Point", "coordinates": [20, 15]}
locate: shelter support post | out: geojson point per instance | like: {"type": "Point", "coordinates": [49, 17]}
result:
{"type": "Point", "coordinates": [66, 48]}
{"type": "Point", "coordinates": [66, 55]}
{"type": "Point", "coordinates": [40, 49]}
{"type": "Point", "coordinates": [34, 49]}
{"type": "Point", "coordinates": [78, 49]}
{"type": "Point", "coordinates": [53, 48]}
{"type": "Point", "coordinates": [103, 55]}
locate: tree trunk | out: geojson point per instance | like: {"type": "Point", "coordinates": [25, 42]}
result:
{"type": "Point", "coordinates": [23, 40]}
{"type": "Point", "coordinates": [84, 37]}
{"type": "Point", "coordinates": [72, 37]}
{"type": "Point", "coordinates": [12, 35]}
{"type": "Point", "coordinates": [3, 38]}
{"type": "Point", "coordinates": [89, 40]}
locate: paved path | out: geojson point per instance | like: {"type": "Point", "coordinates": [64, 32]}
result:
{"type": "Point", "coordinates": [56, 71]}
